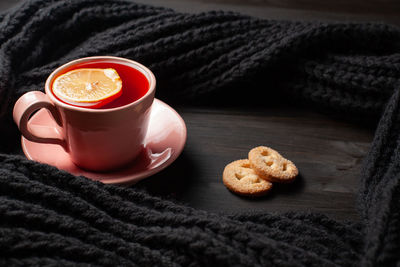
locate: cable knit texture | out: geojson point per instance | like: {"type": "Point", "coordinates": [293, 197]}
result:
{"type": "Point", "coordinates": [50, 217]}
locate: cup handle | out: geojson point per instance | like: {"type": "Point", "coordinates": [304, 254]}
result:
{"type": "Point", "coordinates": [24, 108]}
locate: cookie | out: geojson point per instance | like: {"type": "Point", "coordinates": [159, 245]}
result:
{"type": "Point", "coordinates": [239, 178]}
{"type": "Point", "coordinates": [271, 166]}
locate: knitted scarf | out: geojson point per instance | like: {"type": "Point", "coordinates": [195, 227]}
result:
{"type": "Point", "coordinates": [50, 217]}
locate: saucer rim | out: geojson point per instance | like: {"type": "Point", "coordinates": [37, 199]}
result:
{"type": "Point", "coordinates": [135, 177]}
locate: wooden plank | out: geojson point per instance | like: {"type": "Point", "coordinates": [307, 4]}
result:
{"type": "Point", "coordinates": [327, 152]}
{"type": "Point", "coordinates": [309, 10]}
{"type": "Point", "coordinates": [342, 6]}
{"type": "Point", "coordinates": [6, 4]}
{"type": "Point", "coordinates": [358, 11]}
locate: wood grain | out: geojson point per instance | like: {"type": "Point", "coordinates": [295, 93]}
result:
{"type": "Point", "coordinates": [6, 4]}
{"type": "Point", "coordinates": [344, 6]}
{"type": "Point", "coordinates": [308, 10]}
{"type": "Point", "coordinates": [328, 152]}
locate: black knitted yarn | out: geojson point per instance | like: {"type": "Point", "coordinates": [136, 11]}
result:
{"type": "Point", "coordinates": [49, 217]}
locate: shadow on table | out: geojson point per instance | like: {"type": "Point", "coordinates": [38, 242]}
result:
{"type": "Point", "coordinates": [173, 181]}
{"type": "Point", "coordinates": [279, 189]}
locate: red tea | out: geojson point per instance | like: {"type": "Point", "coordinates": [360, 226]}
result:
{"type": "Point", "coordinates": [134, 84]}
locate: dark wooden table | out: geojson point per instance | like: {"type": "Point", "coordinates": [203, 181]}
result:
{"type": "Point", "coordinates": [327, 151]}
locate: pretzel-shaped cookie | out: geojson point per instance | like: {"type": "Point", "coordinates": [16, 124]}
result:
{"type": "Point", "coordinates": [272, 166]}
{"type": "Point", "coordinates": [239, 178]}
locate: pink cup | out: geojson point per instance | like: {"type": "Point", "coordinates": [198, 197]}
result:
{"type": "Point", "coordinates": [96, 139]}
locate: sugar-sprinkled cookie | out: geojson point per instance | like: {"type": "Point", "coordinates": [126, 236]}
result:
{"type": "Point", "coordinates": [272, 166]}
{"type": "Point", "coordinates": [241, 179]}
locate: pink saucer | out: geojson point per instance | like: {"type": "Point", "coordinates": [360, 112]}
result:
{"type": "Point", "coordinates": [164, 142]}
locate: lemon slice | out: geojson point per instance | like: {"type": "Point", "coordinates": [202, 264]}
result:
{"type": "Point", "coordinates": [88, 87]}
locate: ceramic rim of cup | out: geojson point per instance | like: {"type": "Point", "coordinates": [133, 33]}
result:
{"type": "Point", "coordinates": [127, 62]}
